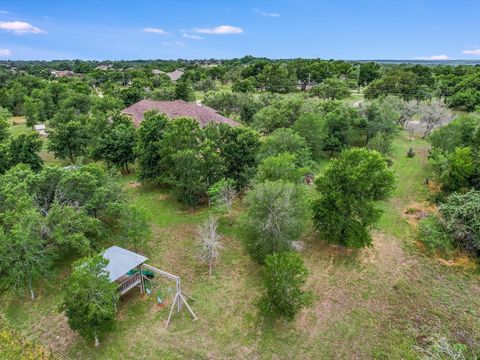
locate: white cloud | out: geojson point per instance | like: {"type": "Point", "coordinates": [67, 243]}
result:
{"type": "Point", "coordinates": [471, 52]}
{"type": "Point", "coordinates": [155, 31]}
{"type": "Point", "coordinates": [20, 27]}
{"type": "Point", "coordinates": [269, 14]}
{"type": "Point", "coordinates": [4, 12]}
{"type": "Point", "coordinates": [433, 57]}
{"type": "Point", "coordinates": [192, 36]}
{"type": "Point", "coordinates": [5, 52]}
{"type": "Point", "coordinates": [219, 30]}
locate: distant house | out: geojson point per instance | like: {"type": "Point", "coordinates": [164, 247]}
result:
{"type": "Point", "coordinates": [177, 108]}
{"type": "Point", "coordinates": [62, 73]}
{"type": "Point", "coordinates": [40, 129]}
{"type": "Point", "coordinates": [175, 75]}
{"type": "Point", "coordinates": [103, 67]}
{"type": "Point", "coordinates": [157, 72]}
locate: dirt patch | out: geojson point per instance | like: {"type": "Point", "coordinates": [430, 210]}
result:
{"type": "Point", "coordinates": [134, 185]}
{"type": "Point", "coordinates": [463, 261]}
{"type": "Point", "coordinates": [416, 212]}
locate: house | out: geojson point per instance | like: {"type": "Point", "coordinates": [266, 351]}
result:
{"type": "Point", "coordinates": [40, 129]}
{"type": "Point", "coordinates": [103, 67]}
{"type": "Point", "coordinates": [157, 72]}
{"type": "Point", "coordinates": [62, 73]}
{"type": "Point", "coordinates": [177, 108]}
{"type": "Point", "coordinates": [175, 75]}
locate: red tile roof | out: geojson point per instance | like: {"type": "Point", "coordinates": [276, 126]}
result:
{"type": "Point", "coordinates": [177, 108]}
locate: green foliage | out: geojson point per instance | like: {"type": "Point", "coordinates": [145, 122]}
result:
{"type": "Point", "coordinates": [434, 235]}
{"type": "Point", "coordinates": [275, 216]}
{"type": "Point", "coordinates": [463, 131]}
{"type": "Point", "coordinates": [277, 78]}
{"type": "Point", "coordinates": [310, 126]}
{"type": "Point", "coordinates": [148, 148]}
{"type": "Point", "coordinates": [222, 194]}
{"type": "Point", "coordinates": [79, 208]}
{"type": "Point", "coordinates": [238, 148]}
{"type": "Point", "coordinates": [368, 72]}
{"type": "Point", "coordinates": [404, 83]}
{"type": "Point", "coordinates": [341, 128]}
{"type": "Point", "coordinates": [348, 188]}
{"type": "Point", "coordinates": [89, 298]}
{"type": "Point", "coordinates": [24, 150]}
{"type": "Point", "coordinates": [280, 167]}
{"type": "Point", "coordinates": [284, 279]}
{"type": "Point", "coordinates": [331, 88]}
{"type": "Point", "coordinates": [286, 141]}
{"type": "Point", "coordinates": [461, 213]}
{"type": "Point", "coordinates": [24, 254]}
{"type": "Point", "coordinates": [280, 114]}
{"type": "Point", "coordinates": [69, 140]}
{"type": "Point", "coordinates": [379, 119]}
{"type": "Point", "coordinates": [454, 170]}
{"type": "Point", "coordinates": [117, 144]}
{"type": "Point", "coordinates": [184, 90]}
{"type": "Point", "coordinates": [5, 116]}
{"type": "Point", "coordinates": [15, 346]}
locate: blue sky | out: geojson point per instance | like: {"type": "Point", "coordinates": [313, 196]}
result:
{"type": "Point", "coordinates": [170, 29]}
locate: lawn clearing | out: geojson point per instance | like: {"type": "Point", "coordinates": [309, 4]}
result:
{"type": "Point", "coordinates": [373, 303]}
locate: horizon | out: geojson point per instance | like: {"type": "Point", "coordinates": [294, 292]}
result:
{"type": "Point", "coordinates": [375, 30]}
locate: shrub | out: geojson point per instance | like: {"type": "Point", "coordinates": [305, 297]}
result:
{"type": "Point", "coordinates": [89, 298]}
{"type": "Point", "coordinates": [280, 167]}
{"type": "Point", "coordinates": [275, 217]}
{"type": "Point", "coordinates": [349, 186]}
{"type": "Point", "coordinates": [462, 219]}
{"type": "Point", "coordinates": [285, 276]}
{"type": "Point", "coordinates": [434, 235]}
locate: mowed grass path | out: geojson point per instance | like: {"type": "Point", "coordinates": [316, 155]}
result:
{"type": "Point", "coordinates": [375, 303]}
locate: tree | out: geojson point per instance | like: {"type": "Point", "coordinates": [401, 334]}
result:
{"type": "Point", "coordinates": [89, 298]}
{"type": "Point", "coordinates": [116, 146]}
{"type": "Point", "coordinates": [222, 194]}
{"type": "Point", "coordinates": [310, 126]}
{"type": "Point", "coordinates": [378, 119]}
{"type": "Point", "coordinates": [341, 128]}
{"type": "Point", "coordinates": [461, 213]}
{"type": "Point", "coordinates": [280, 167]}
{"type": "Point", "coordinates": [238, 148]}
{"type": "Point", "coordinates": [24, 254]}
{"type": "Point", "coordinates": [24, 150]}
{"type": "Point", "coordinates": [5, 116]}
{"type": "Point", "coordinates": [184, 90]}
{"type": "Point", "coordinates": [280, 114]}
{"type": "Point", "coordinates": [69, 140]}
{"type": "Point", "coordinates": [277, 78]}
{"type": "Point", "coordinates": [454, 170]}
{"type": "Point", "coordinates": [331, 88]}
{"type": "Point", "coordinates": [348, 188]}
{"type": "Point", "coordinates": [400, 82]}
{"type": "Point", "coordinates": [434, 115]}
{"type": "Point", "coordinates": [284, 279]}
{"type": "Point", "coordinates": [209, 242]}
{"type": "Point", "coordinates": [368, 72]}
{"type": "Point", "coordinates": [275, 216]}
{"type": "Point", "coordinates": [148, 148]}
{"type": "Point", "coordinates": [286, 140]}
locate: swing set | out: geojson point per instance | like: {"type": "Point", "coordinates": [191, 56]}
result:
{"type": "Point", "coordinates": [129, 270]}
{"type": "Point", "coordinates": [179, 299]}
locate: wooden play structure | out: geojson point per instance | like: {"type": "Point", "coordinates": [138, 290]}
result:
{"type": "Point", "coordinates": [129, 270]}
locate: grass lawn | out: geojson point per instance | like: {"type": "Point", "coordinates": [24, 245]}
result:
{"type": "Point", "coordinates": [18, 127]}
{"type": "Point", "coordinates": [375, 303]}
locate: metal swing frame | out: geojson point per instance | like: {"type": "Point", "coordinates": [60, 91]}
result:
{"type": "Point", "coordinates": [179, 299]}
